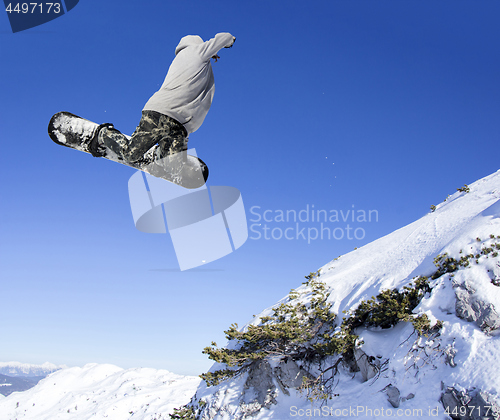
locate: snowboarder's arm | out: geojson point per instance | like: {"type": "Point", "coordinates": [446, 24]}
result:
{"type": "Point", "coordinates": [212, 46]}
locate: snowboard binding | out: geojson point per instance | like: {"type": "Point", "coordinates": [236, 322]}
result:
{"type": "Point", "coordinates": [94, 148]}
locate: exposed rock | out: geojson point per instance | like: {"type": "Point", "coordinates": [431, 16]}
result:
{"type": "Point", "coordinates": [471, 308]}
{"type": "Point", "coordinates": [451, 401]}
{"type": "Point", "coordinates": [408, 397]}
{"type": "Point", "coordinates": [487, 404]}
{"type": "Point", "coordinates": [211, 406]}
{"type": "Point", "coordinates": [259, 390]}
{"type": "Point", "coordinates": [290, 375]}
{"type": "Point", "coordinates": [450, 353]}
{"type": "Point", "coordinates": [488, 407]}
{"type": "Point", "coordinates": [368, 365]}
{"type": "Point", "coordinates": [469, 405]}
{"type": "Point", "coordinates": [393, 396]}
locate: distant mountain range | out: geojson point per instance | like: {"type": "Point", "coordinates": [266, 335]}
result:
{"type": "Point", "coordinates": [17, 377]}
{"type": "Point", "coordinates": [16, 369]}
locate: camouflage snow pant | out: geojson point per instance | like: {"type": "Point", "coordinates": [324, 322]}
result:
{"type": "Point", "coordinates": [155, 137]}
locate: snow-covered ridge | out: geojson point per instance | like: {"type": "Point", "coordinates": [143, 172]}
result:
{"type": "Point", "coordinates": [419, 373]}
{"type": "Point", "coordinates": [26, 369]}
{"type": "Point", "coordinates": [393, 260]}
{"type": "Point", "coordinates": [101, 391]}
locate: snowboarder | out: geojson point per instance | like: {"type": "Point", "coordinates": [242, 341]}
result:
{"type": "Point", "coordinates": [175, 111]}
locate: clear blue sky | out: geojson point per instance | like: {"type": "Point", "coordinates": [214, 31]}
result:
{"type": "Point", "coordinates": [378, 104]}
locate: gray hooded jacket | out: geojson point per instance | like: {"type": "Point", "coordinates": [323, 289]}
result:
{"type": "Point", "coordinates": [188, 89]}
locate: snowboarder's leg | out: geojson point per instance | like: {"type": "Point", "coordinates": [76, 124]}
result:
{"type": "Point", "coordinates": [155, 130]}
{"type": "Point", "coordinates": [172, 137]}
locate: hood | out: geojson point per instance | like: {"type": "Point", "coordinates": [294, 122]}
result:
{"type": "Point", "coordinates": [188, 40]}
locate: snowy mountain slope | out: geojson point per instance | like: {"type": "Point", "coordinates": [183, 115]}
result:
{"type": "Point", "coordinates": [394, 259]}
{"type": "Point", "coordinates": [25, 369]}
{"type": "Point", "coordinates": [464, 356]}
{"type": "Point", "coordinates": [101, 391]}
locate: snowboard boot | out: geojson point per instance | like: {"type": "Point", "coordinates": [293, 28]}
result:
{"type": "Point", "coordinates": [95, 148]}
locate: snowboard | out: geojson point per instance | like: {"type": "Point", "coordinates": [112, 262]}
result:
{"type": "Point", "coordinates": [72, 131]}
